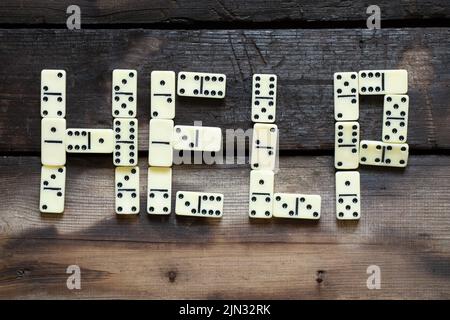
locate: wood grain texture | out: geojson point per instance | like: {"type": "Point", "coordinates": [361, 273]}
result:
{"type": "Point", "coordinates": [227, 11]}
{"type": "Point", "coordinates": [305, 61]}
{"type": "Point", "coordinates": [399, 207]}
{"type": "Point", "coordinates": [37, 269]}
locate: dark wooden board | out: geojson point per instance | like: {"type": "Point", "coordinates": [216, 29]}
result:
{"type": "Point", "coordinates": [403, 229]}
{"type": "Point", "coordinates": [190, 12]}
{"type": "Point", "coordinates": [407, 207]}
{"type": "Point", "coordinates": [305, 61]}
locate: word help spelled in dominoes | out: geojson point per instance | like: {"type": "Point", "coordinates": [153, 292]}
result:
{"type": "Point", "coordinates": [395, 118]}
{"type": "Point", "coordinates": [89, 140]}
{"type": "Point", "coordinates": [127, 190]}
{"type": "Point", "coordinates": [53, 186]}
{"type": "Point", "coordinates": [124, 93]}
{"type": "Point", "coordinates": [53, 93]}
{"type": "Point", "coordinates": [297, 206]}
{"type": "Point", "coordinates": [126, 142]}
{"type": "Point", "coordinates": [346, 145]}
{"type": "Point", "coordinates": [53, 149]}
{"type": "Point", "coordinates": [199, 84]}
{"type": "Point", "coordinates": [197, 138]}
{"type": "Point", "coordinates": [378, 153]}
{"type": "Point", "coordinates": [383, 82]}
{"type": "Point", "coordinates": [261, 194]}
{"type": "Point", "coordinates": [199, 204]}
{"type": "Point", "coordinates": [160, 152]}
{"type": "Point", "coordinates": [348, 198]}
{"type": "Point", "coordinates": [346, 98]}
{"type": "Point", "coordinates": [162, 93]}
{"type": "Point", "coordinates": [264, 97]}
{"type": "Point", "coordinates": [159, 190]}
{"type": "Point", "coordinates": [264, 146]}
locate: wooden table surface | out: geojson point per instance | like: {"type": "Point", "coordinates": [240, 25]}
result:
{"type": "Point", "coordinates": [405, 223]}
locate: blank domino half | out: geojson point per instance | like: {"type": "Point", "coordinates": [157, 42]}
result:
{"type": "Point", "coordinates": [296, 206]}
{"type": "Point", "coordinates": [199, 204]}
{"type": "Point", "coordinates": [383, 82]}
{"type": "Point", "coordinates": [53, 148]}
{"type": "Point", "coordinates": [53, 93]}
{"type": "Point", "coordinates": [89, 140]}
{"type": "Point", "coordinates": [125, 142]}
{"type": "Point", "coordinates": [264, 97]}
{"type": "Point", "coordinates": [127, 190]}
{"type": "Point", "coordinates": [346, 145]}
{"type": "Point", "coordinates": [346, 99]}
{"type": "Point", "coordinates": [159, 190]}
{"type": "Point", "coordinates": [124, 93]}
{"type": "Point", "coordinates": [378, 153]}
{"type": "Point", "coordinates": [53, 188]}
{"type": "Point", "coordinates": [348, 195]}
{"type": "Point", "coordinates": [202, 85]}
{"type": "Point", "coordinates": [160, 152]}
{"type": "Point", "coordinates": [264, 146]}
{"type": "Point", "coordinates": [162, 94]}
{"type": "Point", "coordinates": [197, 138]}
{"type": "Point", "coordinates": [261, 194]}
{"type": "Point", "coordinates": [395, 118]}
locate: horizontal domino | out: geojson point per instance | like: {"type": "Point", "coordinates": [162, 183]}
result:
{"type": "Point", "coordinates": [296, 206]}
{"type": "Point", "coordinates": [53, 188]}
{"type": "Point", "coordinates": [160, 152]}
{"type": "Point", "coordinates": [53, 93]}
{"type": "Point", "coordinates": [395, 118]}
{"type": "Point", "coordinates": [89, 140]}
{"type": "Point", "coordinates": [53, 136]}
{"type": "Point", "coordinates": [199, 204]}
{"type": "Point", "coordinates": [264, 146]}
{"type": "Point", "coordinates": [124, 93]}
{"type": "Point", "coordinates": [348, 195]}
{"type": "Point", "coordinates": [162, 94]}
{"type": "Point", "coordinates": [378, 153]}
{"type": "Point", "coordinates": [159, 190]}
{"type": "Point", "coordinates": [127, 190]}
{"type": "Point", "coordinates": [261, 194]}
{"type": "Point", "coordinates": [346, 98]}
{"type": "Point", "coordinates": [201, 84]}
{"type": "Point", "coordinates": [264, 97]}
{"type": "Point", "coordinates": [383, 82]}
{"type": "Point", "coordinates": [346, 145]}
{"type": "Point", "coordinates": [125, 141]}
{"type": "Point", "coordinates": [197, 138]}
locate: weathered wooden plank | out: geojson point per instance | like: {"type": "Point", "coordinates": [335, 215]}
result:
{"type": "Point", "coordinates": [304, 60]}
{"type": "Point", "coordinates": [400, 207]}
{"type": "Point", "coordinates": [37, 269]}
{"type": "Point", "coordinates": [190, 12]}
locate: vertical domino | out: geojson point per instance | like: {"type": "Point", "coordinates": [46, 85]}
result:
{"type": "Point", "coordinates": [346, 99]}
{"type": "Point", "coordinates": [160, 151]}
{"type": "Point", "coordinates": [125, 142]}
{"type": "Point", "coordinates": [264, 97]}
{"type": "Point", "coordinates": [127, 190]}
{"type": "Point", "coordinates": [264, 146]}
{"type": "Point", "coordinates": [159, 190]}
{"type": "Point", "coordinates": [348, 198]}
{"type": "Point", "coordinates": [261, 194]}
{"type": "Point", "coordinates": [162, 94]}
{"type": "Point", "coordinates": [395, 118]}
{"type": "Point", "coordinates": [124, 93]}
{"type": "Point", "coordinates": [53, 93]}
{"type": "Point", "coordinates": [346, 145]}
{"type": "Point", "coordinates": [53, 149]}
{"type": "Point", "coordinates": [53, 186]}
